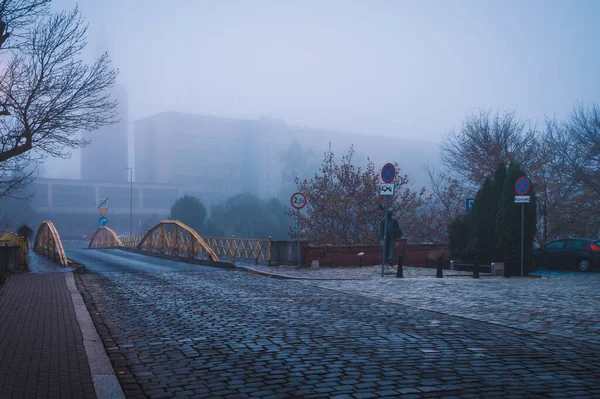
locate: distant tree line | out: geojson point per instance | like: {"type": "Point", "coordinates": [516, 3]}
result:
{"type": "Point", "coordinates": [562, 159]}
{"type": "Point", "coordinates": [243, 215]}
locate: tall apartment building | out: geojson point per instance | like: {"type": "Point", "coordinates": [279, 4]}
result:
{"type": "Point", "coordinates": [105, 159]}
{"type": "Point", "coordinates": [214, 157]}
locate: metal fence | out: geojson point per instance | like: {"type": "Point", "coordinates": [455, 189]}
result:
{"type": "Point", "coordinates": [231, 249]}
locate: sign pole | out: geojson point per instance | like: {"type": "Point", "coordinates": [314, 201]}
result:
{"type": "Point", "coordinates": [298, 202]}
{"type": "Point", "coordinates": [388, 173]}
{"type": "Point", "coordinates": [522, 186]}
{"type": "Point", "coordinates": [298, 233]}
{"type": "Point", "coordinates": [385, 211]}
{"type": "Point", "coordinates": [522, 234]}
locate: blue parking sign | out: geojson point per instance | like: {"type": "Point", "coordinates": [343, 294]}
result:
{"type": "Point", "coordinates": [470, 202]}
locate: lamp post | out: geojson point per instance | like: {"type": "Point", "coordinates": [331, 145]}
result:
{"type": "Point", "coordinates": [130, 200]}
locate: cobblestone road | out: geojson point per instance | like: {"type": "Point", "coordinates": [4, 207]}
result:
{"type": "Point", "coordinates": [233, 334]}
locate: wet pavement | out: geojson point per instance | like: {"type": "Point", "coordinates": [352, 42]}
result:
{"type": "Point", "coordinates": [42, 349]}
{"type": "Point", "coordinates": [179, 330]}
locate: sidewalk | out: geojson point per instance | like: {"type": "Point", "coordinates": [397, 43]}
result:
{"type": "Point", "coordinates": [348, 272]}
{"type": "Point", "coordinates": [42, 347]}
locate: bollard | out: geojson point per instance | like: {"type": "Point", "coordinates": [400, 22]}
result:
{"type": "Point", "coordinates": [440, 273]}
{"type": "Point", "coordinates": [400, 271]}
{"type": "Point", "coordinates": [476, 268]}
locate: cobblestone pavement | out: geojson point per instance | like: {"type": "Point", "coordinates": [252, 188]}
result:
{"type": "Point", "coordinates": [563, 304]}
{"type": "Point", "coordinates": [233, 334]}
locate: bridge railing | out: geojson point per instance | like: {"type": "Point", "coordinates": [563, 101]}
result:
{"type": "Point", "coordinates": [48, 244]}
{"type": "Point", "coordinates": [105, 237]}
{"type": "Point", "coordinates": [243, 249]}
{"type": "Point", "coordinates": [7, 238]}
{"type": "Point", "coordinates": [174, 238]}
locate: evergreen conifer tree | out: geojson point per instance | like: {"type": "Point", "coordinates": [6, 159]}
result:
{"type": "Point", "coordinates": [508, 225]}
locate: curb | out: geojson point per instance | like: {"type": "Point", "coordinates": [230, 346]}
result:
{"type": "Point", "coordinates": [105, 380]}
{"type": "Point", "coordinates": [284, 277]}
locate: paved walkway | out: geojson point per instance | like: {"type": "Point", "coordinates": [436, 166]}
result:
{"type": "Point", "coordinates": [348, 273]}
{"type": "Point", "coordinates": [224, 334]}
{"type": "Point", "coordinates": [559, 303]}
{"type": "Point", "coordinates": [44, 346]}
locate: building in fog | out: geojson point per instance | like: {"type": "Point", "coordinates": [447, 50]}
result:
{"type": "Point", "coordinates": [72, 205]}
{"type": "Point", "coordinates": [215, 158]}
{"type": "Point", "coordinates": [105, 158]}
{"type": "Point", "coordinates": [212, 157]}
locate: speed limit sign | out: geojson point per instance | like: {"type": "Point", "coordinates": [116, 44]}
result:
{"type": "Point", "coordinates": [298, 201]}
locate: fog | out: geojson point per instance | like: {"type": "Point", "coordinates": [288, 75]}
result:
{"type": "Point", "coordinates": [410, 70]}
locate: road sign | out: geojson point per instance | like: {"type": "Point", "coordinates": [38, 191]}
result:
{"type": "Point", "coordinates": [102, 220]}
{"type": "Point", "coordinates": [470, 202]}
{"type": "Point", "coordinates": [522, 199]}
{"type": "Point", "coordinates": [103, 206]}
{"type": "Point", "coordinates": [388, 172]}
{"type": "Point", "coordinates": [522, 186]}
{"type": "Point", "coordinates": [298, 201]}
{"type": "Point", "coordinates": [386, 189]}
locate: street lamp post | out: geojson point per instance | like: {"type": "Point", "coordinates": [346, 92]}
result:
{"type": "Point", "coordinates": [130, 200]}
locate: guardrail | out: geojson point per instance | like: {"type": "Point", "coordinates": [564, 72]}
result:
{"type": "Point", "coordinates": [250, 249]}
{"type": "Point", "coordinates": [48, 244]}
{"type": "Point", "coordinates": [10, 239]}
{"type": "Point", "coordinates": [174, 238]}
{"type": "Point", "coordinates": [105, 237]}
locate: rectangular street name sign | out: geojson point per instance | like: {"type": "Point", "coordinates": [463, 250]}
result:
{"type": "Point", "coordinates": [386, 189]}
{"type": "Point", "coordinates": [522, 199]}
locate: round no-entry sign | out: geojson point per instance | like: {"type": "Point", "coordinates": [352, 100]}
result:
{"type": "Point", "coordinates": [298, 200]}
{"type": "Point", "coordinates": [522, 186]}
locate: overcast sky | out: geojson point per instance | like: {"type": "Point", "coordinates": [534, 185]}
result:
{"type": "Point", "coordinates": [407, 69]}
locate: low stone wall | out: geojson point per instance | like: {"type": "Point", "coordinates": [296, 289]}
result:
{"type": "Point", "coordinates": [418, 254]}
{"type": "Point", "coordinates": [346, 255]}
{"type": "Point", "coordinates": [285, 252]}
{"type": "Point", "coordinates": [11, 261]}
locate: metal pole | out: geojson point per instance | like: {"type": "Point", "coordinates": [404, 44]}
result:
{"type": "Point", "coordinates": [522, 234]}
{"type": "Point", "coordinates": [545, 220]}
{"type": "Point", "coordinates": [130, 202]}
{"type": "Point", "coordinates": [298, 233]}
{"type": "Point", "coordinates": [387, 205]}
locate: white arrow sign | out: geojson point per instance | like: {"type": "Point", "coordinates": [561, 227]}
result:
{"type": "Point", "coordinates": [522, 199]}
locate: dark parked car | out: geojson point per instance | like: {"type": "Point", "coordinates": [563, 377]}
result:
{"type": "Point", "coordinates": [580, 253]}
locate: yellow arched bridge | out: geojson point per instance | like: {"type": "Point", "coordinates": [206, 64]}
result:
{"type": "Point", "coordinates": [168, 237]}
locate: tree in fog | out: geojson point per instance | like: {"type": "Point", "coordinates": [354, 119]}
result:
{"type": "Point", "coordinates": [573, 174]}
{"type": "Point", "coordinates": [579, 143]}
{"type": "Point", "coordinates": [484, 140]}
{"type": "Point", "coordinates": [344, 206]}
{"type": "Point", "coordinates": [47, 92]}
{"type": "Point", "coordinates": [247, 216]}
{"type": "Point", "coordinates": [190, 211]}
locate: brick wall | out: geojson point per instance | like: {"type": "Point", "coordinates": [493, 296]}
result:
{"type": "Point", "coordinates": [347, 255]}
{"type": "Point", "coordinates": [418, 254]}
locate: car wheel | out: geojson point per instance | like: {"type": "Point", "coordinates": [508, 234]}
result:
{"type": "Point", "coordinates": [583, 265]}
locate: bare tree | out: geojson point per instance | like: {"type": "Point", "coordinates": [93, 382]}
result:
{"type": "Point", "coordinates": [16, 16]}
{"type": "Point", "coordinates": [579, 144]}
{"type": "Point", "coordinates": [47, 93]}
{"type": "Point", "coordinates": [484, 141]}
